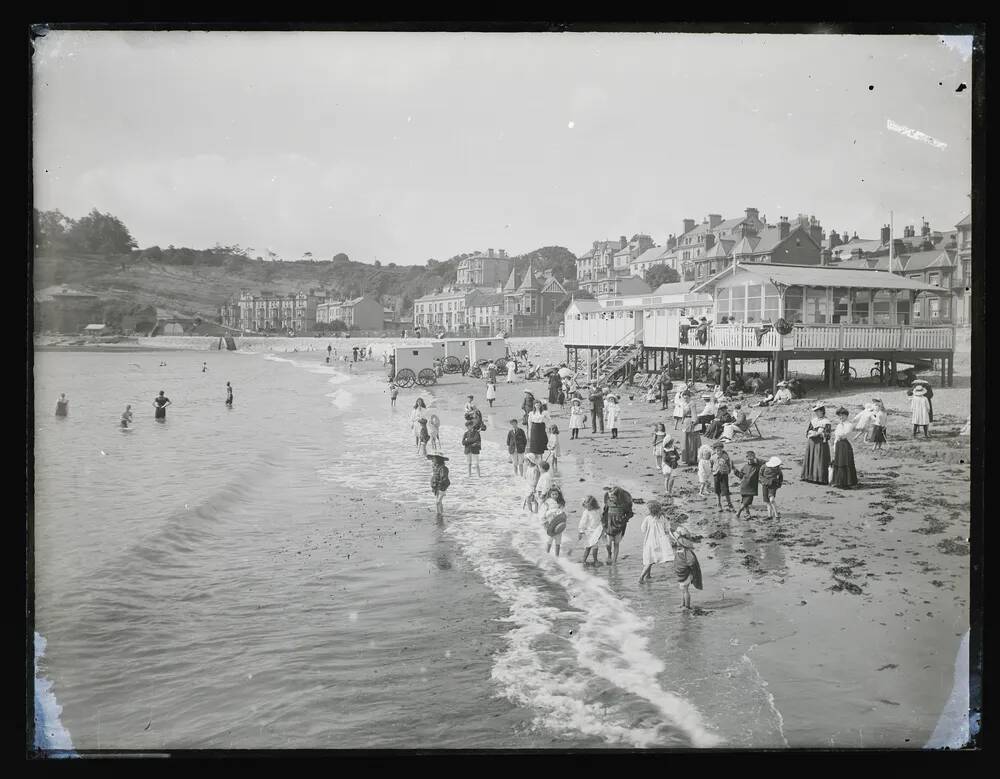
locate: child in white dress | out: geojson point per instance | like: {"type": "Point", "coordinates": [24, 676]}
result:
{"type": "Point", "coordinates": [491, 393]}
{"type": "Point", "coordinates": [577, 418]}
{"type": "Point", "coordinates": [863, 421]}
{"type": "Point", "coordinates": [592, 529]}
{"type": "Point", "coordinates": [553, 450]}
{"type": "Point", "coordinates": [656, 547]}
{"type": "Point", "coordinates": [612, 415]}
{"type": "Point", "coordinates": [704, 469]}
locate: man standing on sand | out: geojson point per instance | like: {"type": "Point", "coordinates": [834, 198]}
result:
{"type": "Point", "coordinates": [355, 350]}
{"type": "Point", "coordinates": [596, 409]}
{"type": "Point", "coordinates": [517, 442]}
{"type": "Point", "coordinates": [665, 386]}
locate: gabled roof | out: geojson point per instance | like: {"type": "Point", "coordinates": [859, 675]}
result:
{"type": "Point", "coordinates": [720, 249]}
{"type": "Point", "coordinates": [553, 286]}
{"type": "Point", "coordinates": [820, 276]}
{"type": "Point", "coordinates": [931, 259]}
{"type": "Point", "coordinates": [674, 288]}
{"type": "Point", "coordinates": [965, 221]}
{"type": "Point", "coordinates": [867, 246]}
{"type": "Point", "coordinates": [746, 245]}
{"type": "Point", "coordinates": [585, 305]}
{"type": "Point", "coordinates": [652, 253]}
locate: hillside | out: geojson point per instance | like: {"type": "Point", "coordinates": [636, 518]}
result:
{"type": "Point", "coordinates": [197, 290]}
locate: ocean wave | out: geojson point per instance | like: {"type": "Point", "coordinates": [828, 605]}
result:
{"type": "Point", "coordinates": [50, 734]}
{"type": "Point", "coordinates": [571, 635]}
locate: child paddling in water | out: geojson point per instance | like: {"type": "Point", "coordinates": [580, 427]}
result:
{"type": "Point", "coordinates": [554, 518]}
{"type": "Point", "coordinates": [686, 565]}
{"type": "Point", "coordinates": [439, 481]}
{"type": "Point", "coordinates": [771, 478]}
{"type": "Point", "coordinates": [671, 462]}
{"type": "Point", "coordinates": [592, 529]}
{"type": "Point", "coordinates": [532, 474]}
{"type": "Point", "coordinates": [655, 545]}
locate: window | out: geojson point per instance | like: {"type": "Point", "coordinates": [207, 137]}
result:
{"type": "Point", "coordinates": [755, 293]}
{"type": "Point", "coordinates": [738, 306]}
{"type": "Point", "coordinates": [882, 308]}
{"type": "Point", "coordinates": [770, 303]}
{"type": "Point", "coordinates": [793, 304]}
{"type": "Point", "coordinates": [841, 299]}
{"type": "Point", "coordinates": [722, 302]}
{"type": "Point", "coordinates": [814, 306]}
{"type": "Point", "coordinates": [934, 306]}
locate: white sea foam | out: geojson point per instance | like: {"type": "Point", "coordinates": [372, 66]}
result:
{"type": "Point", "coordinates": [50, 734]}
{"type": "Point", "coordinates": [561, 677]}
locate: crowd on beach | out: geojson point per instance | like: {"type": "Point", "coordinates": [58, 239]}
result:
{"type": "Point", "coordinates": [725, 414]}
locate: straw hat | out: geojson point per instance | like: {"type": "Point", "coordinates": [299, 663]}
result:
{"type": "Point", "coordinates": [843, 412]}
{"type": "Point", "coordinates": [774, 462]}
{"type": "Point", "coordinates": [819, 407]}
{"type": "Point", "coordinates": [718, 445]}
{"type": "Point", "coordinates": [577, 401]}
{"type": "Point", "coordinates": [920, 381]}
{"type": "Point", "coordinates": [919, 391]}
{"type": "Point", "coordinates": [436, 457]}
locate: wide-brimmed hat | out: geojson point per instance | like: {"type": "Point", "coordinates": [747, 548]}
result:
{"type": "Point", "coordinates": [706, 397]}
{"type": "Point", "coordinates": [919, 390]}
{"type": "Point", "coordinates": [921, 381]}
{"type": "Point", "coordinates": [527, 392]}
{"type": "Point", "coordinates": [819, 407]}
{"type": "Point", "coordinates": [576, 400]}
{"type": "Point", "coordinates": [718, 445]}
{"type": "Point", "coordinates": [774, 462]}
{"type": "Point", "coordinates": [437, 456]}
{"type": "Point", "coordinates": [685, 394]}
{"type": "Point", "coordinates": [843, 412]}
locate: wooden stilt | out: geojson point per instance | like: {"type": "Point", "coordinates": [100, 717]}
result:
{"type": "Point", "coordinates": [944, 372]}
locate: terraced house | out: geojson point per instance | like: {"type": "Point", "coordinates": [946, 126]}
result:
{"type": "Point", "coordinates": [271, 312]}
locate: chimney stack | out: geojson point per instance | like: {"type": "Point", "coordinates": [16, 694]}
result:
{"type": "Point", "coordinates": [783, 227]}
{"type": "Point", "coordinates": [489, 252]}
{"type": "Point", "coordinates": [885, 235]}
{"type": "Point", "coordinates": [714, 220]}
{"type": "Point", "coordinates": [709, 241]}
{"type": "Point", "coordinates": [622, 242]}
{"type": "Point", "coordinates": [826, 257]}
{"type": "Point", "coordinates": [925, 228]}
{"type": "Point", "coordinates": [688, 225]}
{"type": "Point", "coordinates": [752, 213]}
{"type": "Point", "coordinates": [671, 242]}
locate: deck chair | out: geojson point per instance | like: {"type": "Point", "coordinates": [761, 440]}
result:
{"type": "Point", "coordinates": [752, 429]}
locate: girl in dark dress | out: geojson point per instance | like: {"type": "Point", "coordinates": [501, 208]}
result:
{"type": "Point", "coordinates": [816, 465]}
{"type": "Point", "coordinates": [844, 473]}
{"type": "Point", "coordinates": [692, 443]}
{"type": "Point", "coordinates": [555, 382]}
{"type": "Point", "coordinates": [686, 565]}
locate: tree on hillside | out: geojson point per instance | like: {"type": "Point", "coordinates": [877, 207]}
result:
{"type": "Point", "coordinates": [51, 228]}
{"type": "Point", "coordinates": [98, 233]}
{"type": "Point", "coordinates": [661, 274]}
{"type": "Point", "coordinates": [560, 260]}
{"type": "Point", "coordinates": [341, 258]}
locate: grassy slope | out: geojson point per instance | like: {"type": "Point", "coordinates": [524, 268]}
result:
{"type": "Point", "coordinates": [186, 289]}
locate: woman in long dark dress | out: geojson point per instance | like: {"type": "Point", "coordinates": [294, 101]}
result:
{"type": "Point", "coordinates": [692, 442]}
{"type": "Point", "coordinates": [844, 473]}
{"type": "Point", "coordinates": [555, 384]}
{"type": "Point", "coordinates": [538, 421]}
{"type": "Point", "coordinates": [526, 406]}
{"type": "Point", "coordinates": [815, 467]}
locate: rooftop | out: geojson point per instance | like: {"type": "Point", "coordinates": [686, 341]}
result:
{"type": "Point", "coordinates": [821, 276]}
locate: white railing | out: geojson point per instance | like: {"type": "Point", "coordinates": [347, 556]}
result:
{"type": "Point", "coordinates": [871, 337]}
{"type": "Point", "coordinates": [734, 338]}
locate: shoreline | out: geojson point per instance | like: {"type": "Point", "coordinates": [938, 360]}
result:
{"type": "Point", "coordinates": [857, 597]}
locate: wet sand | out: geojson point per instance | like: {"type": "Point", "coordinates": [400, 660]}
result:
{"type": "Point", "coordinates": [853, 605]}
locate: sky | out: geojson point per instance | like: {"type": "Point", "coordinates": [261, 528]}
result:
{"type": "Point", "coordinates": [407, 146]}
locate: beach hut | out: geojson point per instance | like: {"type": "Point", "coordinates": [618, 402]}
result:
{"type": "Point", "coordinates": [455, 350]}
{"type": "Point", "coordinates": [492, 349]}
{"type": "Point", "coordinates": [415, 364]}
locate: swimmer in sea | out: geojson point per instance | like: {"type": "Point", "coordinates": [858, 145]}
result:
{"type": "Point", "coordinates": [229, 395]}
{"type": "Point", "coordinates": [62, 405]}
{"type": "Point", "coordinates": [204, 367]}
{"type": "Point", "coordinates": [160, 402]}
{"type": "Point", "coordinates": [126, 418]}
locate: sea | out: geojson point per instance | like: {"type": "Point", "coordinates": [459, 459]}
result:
{"type": "Point", "coordinates": [272, 576]}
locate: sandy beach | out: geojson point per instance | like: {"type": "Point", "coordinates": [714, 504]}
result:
{"type": "Point", "coordinates": [857, 598]}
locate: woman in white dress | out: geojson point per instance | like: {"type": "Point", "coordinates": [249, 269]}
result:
{"type": "Point", "coordinates": [419, 411]}
{"type": "Point", "coordinates": [511, 367]}
{"type": "Point", "coordinates": [682, 406]}
{"type": "Point", "coordinates": [863, 421]}
{"type": "Point", "coordinates": [656, 546]}
{"type": "Point", "coordinates": [921, 410]}
{"type": "Point", "coordinates": [845, 474]}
